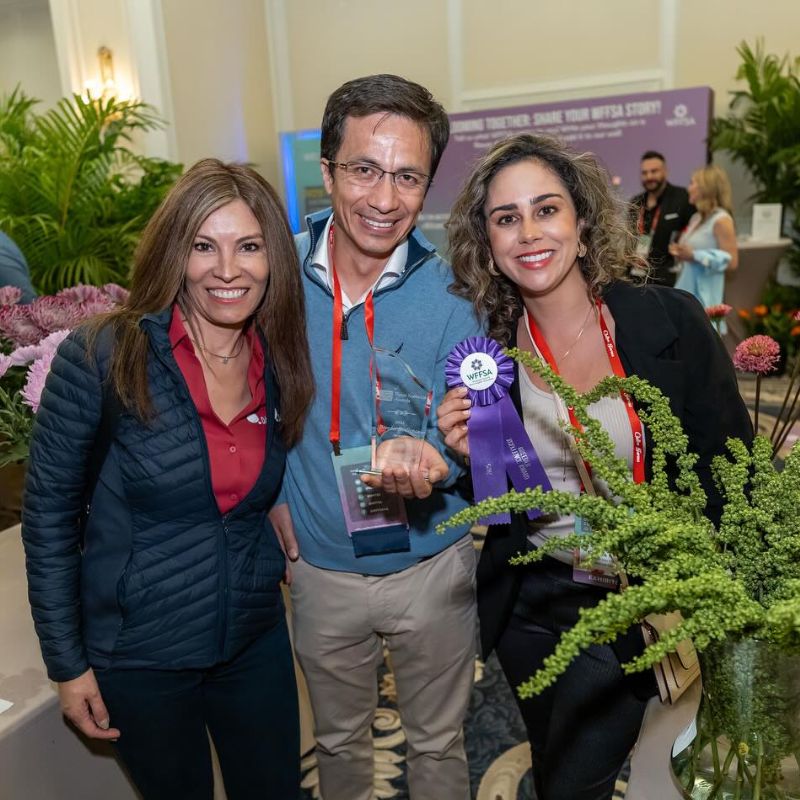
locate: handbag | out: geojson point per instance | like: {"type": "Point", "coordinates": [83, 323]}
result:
{"type": "Point", "coordinates": [675, 672]}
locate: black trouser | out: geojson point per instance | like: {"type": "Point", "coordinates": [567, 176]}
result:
{"type": "Point", "coordinates": [582, 728]}
{"type": "Point", "coordinates": [248, 705]}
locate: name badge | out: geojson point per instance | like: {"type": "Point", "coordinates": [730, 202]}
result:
{"type": "Point", "coordinates": [376, 520]}
{"type": "Point", "coordinates": [601, 572]}
{"type": "Point", "coordinates": [643, 242]}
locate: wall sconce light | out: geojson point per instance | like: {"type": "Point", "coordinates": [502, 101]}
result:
{"type": "Point", "coordinates": [106, 86]}
{"type": "Point", "coordinates": [106, 62]}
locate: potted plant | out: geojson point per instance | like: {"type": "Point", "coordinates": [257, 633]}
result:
{"type": "Point", "coordinates": [735, 586]}
{"type": "Point", "coordinates": [760, 132]}
{"type": "Point", "coordinates": [73, 195]}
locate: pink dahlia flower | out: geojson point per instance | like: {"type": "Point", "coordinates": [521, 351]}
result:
{"type": "Point", "coordinates": [719, 311]}
{"type": "Point", "coordinates": [9, 295]}
{"type": "Point", "coordinates": [757, 354]}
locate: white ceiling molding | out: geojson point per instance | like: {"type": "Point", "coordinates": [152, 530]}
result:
{"type": "Point", "coordinates": [643, 80]}
{"type": "Point", "coordinates": [65, 16]}
{"type": "Point", "coordinates": [564, 89]}
{"type": "Point", "coordinates": [150, 72]}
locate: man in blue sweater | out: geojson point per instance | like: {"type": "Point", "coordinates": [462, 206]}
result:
{"type": "Point", "coordinates": [14, 268]}
{"type": "Point", "coordinates": [370, 276]}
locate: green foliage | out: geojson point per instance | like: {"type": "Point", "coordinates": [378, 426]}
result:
{"type": "Point", "coordinates": [761, 130]}
{"type": "Point", "coordinates": [16, 420]}
{"type": "Point", "coordinates": [73, 195]}
{"type": "Point", "coordinates": [741, 580]}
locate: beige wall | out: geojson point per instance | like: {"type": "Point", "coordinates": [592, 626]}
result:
{"type": "Point", "coordinates": [239, 71]}
{"type": "Point", "coordinates": [517, 42]}
{"type": "Point", "coordinates": [27, 50]}
{"type": "Point", "coordinates": [220, 81]}
{"type": "Point", "coordinates": [710, 30]}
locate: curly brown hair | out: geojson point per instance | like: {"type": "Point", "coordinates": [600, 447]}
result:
{"type": "Point", "coordinates": [606, 230]}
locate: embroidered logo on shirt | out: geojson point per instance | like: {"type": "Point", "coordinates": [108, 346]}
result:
{"type": "Point", "coordinates": [256, 419]}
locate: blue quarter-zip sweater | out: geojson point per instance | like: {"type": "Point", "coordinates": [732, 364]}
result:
{"type": "Point", "coordinates": [165, 581]}
{"type": "Point", "coordinates": [417, 315]}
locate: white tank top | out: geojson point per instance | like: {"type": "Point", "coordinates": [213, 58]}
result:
{"type": "Point", "coordinates": [552, 445]}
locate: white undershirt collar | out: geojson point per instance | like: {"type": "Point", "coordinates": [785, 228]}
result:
{"type": "Point", "coordinates": [392, 270]}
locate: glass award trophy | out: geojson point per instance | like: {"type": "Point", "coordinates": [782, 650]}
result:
{"type": "Point", "coordinates": [400, 412]}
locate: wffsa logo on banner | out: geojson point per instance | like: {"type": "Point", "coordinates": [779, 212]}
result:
{"type": "Point", "coordinates": [680, 116]}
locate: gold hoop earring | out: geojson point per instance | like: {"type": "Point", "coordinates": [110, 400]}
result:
{"type": "Point", "coordinates": [492, 269]}
{"type": "Point", "coordinates": [582, 249]}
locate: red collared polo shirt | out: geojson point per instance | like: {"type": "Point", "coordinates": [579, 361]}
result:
{"type": "Point", "coordinates": [236, 449]}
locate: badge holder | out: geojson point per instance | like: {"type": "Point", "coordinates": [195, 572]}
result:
{"type": "Point", "coordinates": [376, 520]}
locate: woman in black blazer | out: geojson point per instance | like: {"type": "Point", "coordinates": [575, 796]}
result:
{"type": "Point", "coordinates": [541, 246]}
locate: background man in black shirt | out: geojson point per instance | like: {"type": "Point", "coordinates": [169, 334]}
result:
{"type": "Point", "coordinates": [659, 212]}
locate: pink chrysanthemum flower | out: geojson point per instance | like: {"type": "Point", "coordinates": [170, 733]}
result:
{"type": "Point", "coordinates": [34, 385]}
{"type": "Point", "coordinates": [719, 311]}
{"type": "Point", "coordinates": [796, 315]}
{"type": "Point", "coordinates": [17, 326]}
{"type": "Point", "coordinates": [55, 313]}
{"type": "Point", "coordinates": [117, 293]}
{"type": "Point", "coordinates": [91, 308]}
{"type": "Point", "coordinates": [757, 354]}
{"type": "Point", "coordinates": [46, 347]}
{"type": "Point", "coordinates": [82, 293]}
{"type": "Point", "coordinates": [24, 355]}
{"type": "Point", "coordinates": [5, 364]}
{"type": "Point", "coordinates": [10, 295]}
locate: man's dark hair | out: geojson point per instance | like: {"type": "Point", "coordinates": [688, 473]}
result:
{"type": "Point", "coordinates": [653, 154]}
{"type": "Point", "coordinates": [389, 94]}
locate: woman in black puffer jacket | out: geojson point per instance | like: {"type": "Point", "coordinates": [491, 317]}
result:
{"type": "Point", "coordinates": [164, 417]}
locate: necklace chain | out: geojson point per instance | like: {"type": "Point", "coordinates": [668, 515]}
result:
{"type": "Point", "coordinates": [225, 359]}
{"type": "Point", "coordinates": [580, 333]}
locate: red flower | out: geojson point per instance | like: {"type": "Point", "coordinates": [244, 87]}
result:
{"type": "Point", "coordinates": [761, 310]}
{"type": "Point", "coordinates": [719, 311]}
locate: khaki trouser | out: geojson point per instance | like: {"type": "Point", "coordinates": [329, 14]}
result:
{"type": "Point", "coordinates": [426, 615]}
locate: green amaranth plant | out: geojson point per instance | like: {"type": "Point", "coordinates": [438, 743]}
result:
{"type": "Point", "coordinates": [740, 580]}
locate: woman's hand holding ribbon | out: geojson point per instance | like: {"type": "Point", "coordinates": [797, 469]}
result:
{"type": "Point", "coordinates": [452, 416]}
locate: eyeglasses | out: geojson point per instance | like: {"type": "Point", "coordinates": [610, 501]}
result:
{"type": "Point", "coordinates": [365, 175]}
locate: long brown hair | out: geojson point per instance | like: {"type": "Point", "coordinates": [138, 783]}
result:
{"type": "Point", "coordinates": [610, 243]}
{"type": "Point", "coordinates": [158, 281]}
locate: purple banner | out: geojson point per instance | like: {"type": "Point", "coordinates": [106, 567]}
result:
{"type": "Point", "coordinates": [616, 129]}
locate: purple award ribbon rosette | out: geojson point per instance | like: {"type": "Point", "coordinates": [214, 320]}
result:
{"type": "Point", "coordinates": [498, 443]}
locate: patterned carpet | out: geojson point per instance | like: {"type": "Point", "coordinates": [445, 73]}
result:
{"type": "Point", "coordinates": [497, 750]}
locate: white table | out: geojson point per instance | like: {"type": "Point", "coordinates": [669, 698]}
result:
{"type": "Point", "coordinates": [758, 261]}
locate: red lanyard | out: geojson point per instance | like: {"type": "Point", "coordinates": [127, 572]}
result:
{"type": "Point", "coordinates": [619, 371]}
{"type": "Point", "coordinates": [336, 346]}
{"type": "Point", "coordinates": [653, 222]}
